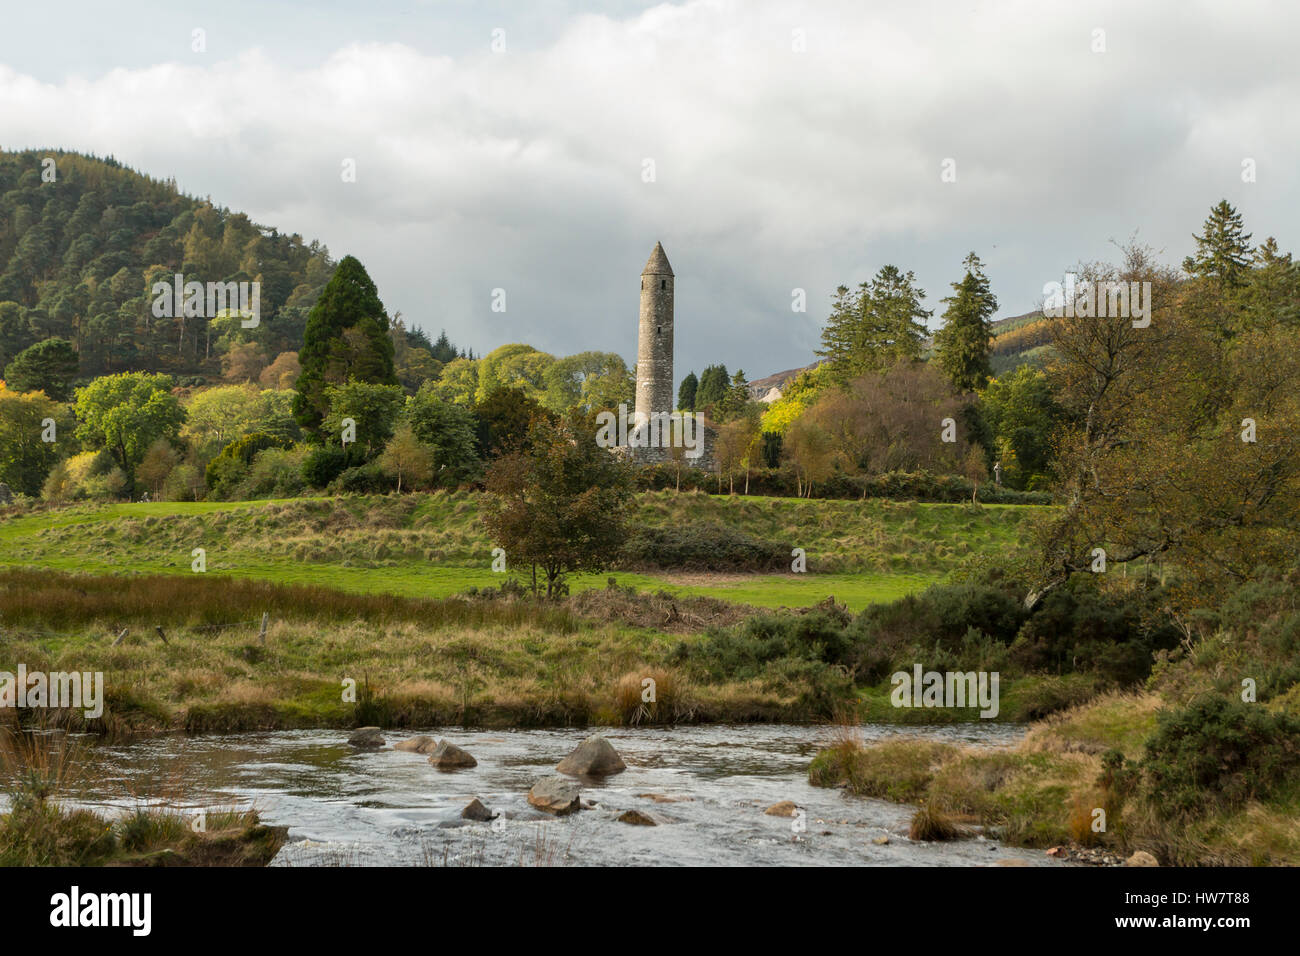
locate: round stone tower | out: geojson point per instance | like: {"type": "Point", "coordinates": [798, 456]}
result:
{"type": "Point", "coordinates": [654, 346]}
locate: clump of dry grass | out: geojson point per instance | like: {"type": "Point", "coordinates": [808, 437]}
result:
{"type": "Point", "coordinates": [846, 732]}
{"type": "Point", "coordinates": [653, 695]}
{"type": "Point", "coordinates": [931, 824]}
{"type": "Point", "coordinates": [546, 851]}
{"type": "Point", "coordinates": [1083, 807]}
{"type": "Point", "coordinates": [37, 766]}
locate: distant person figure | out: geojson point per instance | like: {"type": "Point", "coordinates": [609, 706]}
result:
{"type": "Point", "coordinates": [997, 473]}
{"type": "Point", "coordinates": [145, 496]}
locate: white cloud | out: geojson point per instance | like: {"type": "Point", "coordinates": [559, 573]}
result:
{"type": "Point", "coordinates": [775, 169]}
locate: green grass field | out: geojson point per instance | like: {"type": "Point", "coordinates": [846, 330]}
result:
{"type": "Point", "coordinates": [434, 545]}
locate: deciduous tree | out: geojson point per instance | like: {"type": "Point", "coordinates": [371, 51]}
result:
{"type": "Point", "coordinates": [560, 504]}
{"type": "Point", "coordinates": [126, 413]}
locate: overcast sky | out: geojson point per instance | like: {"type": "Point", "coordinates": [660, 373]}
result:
{"type": "Point", "coordinates": [775, 168]}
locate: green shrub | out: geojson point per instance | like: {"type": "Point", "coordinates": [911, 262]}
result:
{"type": "Point", "coordinates": [365, 479]}
{"type": "Point", "coordinates": [322, 465]}
{"type": "Point", "coordinates": [1218, 753]}
{"type": "Point", "coordinates": [1265, 622]}
{"type": "Point", "coordinates": [821, 689]}
{"type": "Point", "coordinates": [275, 473]}
{"type": "Point", "coordinates": [703, 547]}
{"type": "Point", "coordinates": [231, 466]}
{"type": "Point", "coordinates": [745, 650]}
{"type": "Point", "coordinates": [1080, 628]}
{"type": "Point", "coordinates": [951, 626]}
{"type": "Point", "coordinates": [222, 472]}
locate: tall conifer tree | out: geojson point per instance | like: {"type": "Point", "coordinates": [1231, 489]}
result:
{"type": "Point", "coordinates": [963, 342]}
{"type": "Point", "coordinates": [346, 340]}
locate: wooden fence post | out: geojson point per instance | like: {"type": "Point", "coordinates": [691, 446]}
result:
{"type": "Point", "coordinates": [158, 628]}
{"type": "Point", "coordinates": [262, 635]}
{"type": "Point", "coordinates": [118, 640]}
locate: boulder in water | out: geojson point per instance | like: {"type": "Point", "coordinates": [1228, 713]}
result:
{"type": "Point", "coordinates": [556, 795]}
{"type": "Point", "coordinates": [594, 757]}
{"type": "Point", "coordinates": [475, 811]}
{"type": "Point", "coordinates": [785, 808]}
{"type": "Point", "coordinates": [450, 757]}
{"type": "Point", "coordinates": [637, 819]}
{"type": "Point", "coordinates": [366, 738]}
{"type": "Point", "coordinates": [1142, 858]}
{"type": "Point", "coordinates": [420, 745]}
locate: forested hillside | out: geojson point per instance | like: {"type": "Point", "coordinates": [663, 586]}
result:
{"type": "Point", "coordinates": [82, 240]}
{"type": "Point", "coordinates": [1021, 340]}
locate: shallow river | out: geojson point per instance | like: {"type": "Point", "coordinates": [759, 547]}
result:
{"type": "Point", "coordinates": [387, 807]}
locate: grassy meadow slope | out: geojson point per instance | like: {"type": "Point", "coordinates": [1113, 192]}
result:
{"type": "Point", "coordinates": [361, 588]}
{"type": "Point", "coordinates": [435, 546]}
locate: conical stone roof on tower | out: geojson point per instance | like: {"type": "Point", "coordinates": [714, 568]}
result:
{"type": "Point", "coordinates": [657, 264]}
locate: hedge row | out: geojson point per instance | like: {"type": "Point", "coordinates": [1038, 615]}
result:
{"type": "Point", "coordinates": [899, 486]}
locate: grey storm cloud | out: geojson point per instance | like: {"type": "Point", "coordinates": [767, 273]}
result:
{"type": "Point", "coordinates": [795, 146]}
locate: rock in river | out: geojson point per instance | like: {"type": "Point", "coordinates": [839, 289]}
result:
{"type": "Point", "coordinates": [475, 810]}
{"type": "Point", "coordinates": [556, 795]}
{"type": "Point", "coordinates": [366, 738]}
{"type": "Point", "coordinates": [420, 745]}
{"type": "Point", "coordinates": [450, 757]}
{"type": "Point", "coordinates": [595, 757]}
{"type": "Point", "coordinates": [785, 808]}
{"type": "Point", "coordinates": [637, 818]}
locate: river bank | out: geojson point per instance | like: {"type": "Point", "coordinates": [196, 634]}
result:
{"type": "Point", "coordinates": [1080, 779]}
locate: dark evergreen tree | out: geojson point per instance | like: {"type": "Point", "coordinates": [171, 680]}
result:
{"type": "Point", "coordinates": [48, 366]}
{"type": "Point", "coordinates": [1272, 292]}
{"type": "Point", "coordinates": [714, 382]}
{"type": "Point", "coordinates": [875, 325]}
{"type": "Point", "coordinates": [346, 340]}
{"type": "Point", "coordinates": [443, 350]}
{"type": "Point", "coordinates": [686, 393]}
{"type": "Point", "coordinates": [1223, 252]}
{"type": "Point", "coordinates": [963, 342]}
{"type": "Point", "coordinates": [417, 339]}
{"type": "Point", "coordinates": [734, 399]}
